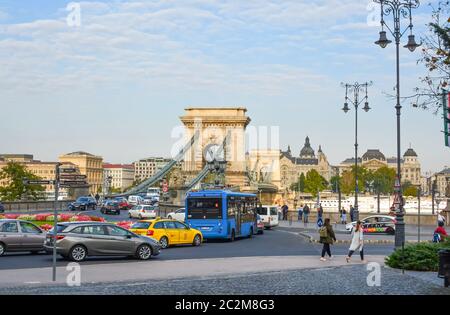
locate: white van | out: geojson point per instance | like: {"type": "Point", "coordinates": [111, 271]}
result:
{"type": "Point", "coordinates": [269, 216]}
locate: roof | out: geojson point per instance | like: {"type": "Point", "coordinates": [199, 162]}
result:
{"type": "Point", "coordinates": [374, 154]}
{"type": "Point", "coordinates": [351, 161]}
{"type": "Point", "coordinates": [307, 150]}
{"type": "Point", "coordinates": [445, 171]}
{"type": "Point", "coordinates": [410, 152]}
{"type": "Point", "coordinates": [80, 153]}
{"type": "Point", "coordinates": [126, 166]}
{"type": "Point", "coordinates": [393, 160]}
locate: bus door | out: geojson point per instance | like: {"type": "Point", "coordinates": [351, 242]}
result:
{"type": "Point", "coordinates": [238, 217]}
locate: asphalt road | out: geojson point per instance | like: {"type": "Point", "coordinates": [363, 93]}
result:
{"type": "Point", "coordinates": [275, 242]}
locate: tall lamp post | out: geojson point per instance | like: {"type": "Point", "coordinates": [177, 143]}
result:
{"type": "Point", "coordinates": [398, 9]}
{"type": "Point", "coordinates": [356, 89]}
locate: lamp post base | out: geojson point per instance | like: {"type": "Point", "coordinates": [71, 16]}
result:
{"type": "Point", "coordinates": [399, 230]}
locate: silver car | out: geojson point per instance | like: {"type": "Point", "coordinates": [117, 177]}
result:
{"type": "Point", "coordinates": [77, 240]}
{"type": "Point", "coordinates": [20, 236]}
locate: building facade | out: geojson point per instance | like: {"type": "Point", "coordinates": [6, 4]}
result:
{"type": "Point", "coordinates": [291, 167]}
{"type": "Point", "coordinates": [89, 165]}
{"type": "Point", "coordinates": [122, 175]}
{"type": "Point", "coordinates": [374, 159]}
{"type": "Point", "coordinates": [442, 179]}
{"type": "Point", "coordinates": [44, 170]}
{"type": "Point", "coordinates": [146, 168]}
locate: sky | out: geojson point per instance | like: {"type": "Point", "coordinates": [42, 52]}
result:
{"type": "Point", "coordinates": [115, 81]}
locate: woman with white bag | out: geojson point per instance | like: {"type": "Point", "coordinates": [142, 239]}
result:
{"type": "Point", "coordinates": [357, 242]}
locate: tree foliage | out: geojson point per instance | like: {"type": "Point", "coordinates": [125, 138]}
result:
{"type": "Point", "coordinates": [436, 58]}
{"type": "Point", "coordinates": [314, 182]}
{"type": "Point", "coordinates": [14, 174]}
{"type": "Point", "coordinates": [299, 186]}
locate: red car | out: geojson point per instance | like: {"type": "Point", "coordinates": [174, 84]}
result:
{"type": "Point", "coordinates": [123, 203]}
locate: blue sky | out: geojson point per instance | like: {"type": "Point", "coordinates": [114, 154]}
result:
{"type": "Point", "coordinates": [116, 85]}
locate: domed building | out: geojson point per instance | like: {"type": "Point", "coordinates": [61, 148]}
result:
{"type": "Point", "coordinates": [374, 159]}
{"type": "Point", "coordinates": [292, 167]}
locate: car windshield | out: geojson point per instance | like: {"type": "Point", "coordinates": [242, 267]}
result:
{"type": "Point", "coordinates": [59, 228]}
{"type": "Point", "coordinates": [83, 199]}
{"type": "Point", "coordinates": [136, 208]}
{"type": "Point", "coordinates": [141, 225]}
{"type": "Point", "coordinates": [261, 210]}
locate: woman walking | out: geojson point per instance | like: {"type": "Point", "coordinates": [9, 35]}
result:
{"type": "Point", "coordinates": [357, 242]}
{"type": "Point", "coordinates": [327, 237]}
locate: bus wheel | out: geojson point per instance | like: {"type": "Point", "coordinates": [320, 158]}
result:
{"type": "Point", "coordinates": [233, 236]}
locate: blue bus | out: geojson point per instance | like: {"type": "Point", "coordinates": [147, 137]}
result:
{"type": "Point", "coordinates": [222, 214]}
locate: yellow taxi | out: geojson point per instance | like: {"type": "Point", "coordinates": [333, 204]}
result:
{"type": "Point", "coordinates": [168, 232]}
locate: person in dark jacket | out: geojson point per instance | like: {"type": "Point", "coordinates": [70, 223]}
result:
{"type": "Point", "coordinates": [285, 210]}
{"type": "Point", "coordinates": [306, 212]}
{"type": "Point", "coordinates": [327, 240]}
{"type": "Point", "coordinates": [352, 213]}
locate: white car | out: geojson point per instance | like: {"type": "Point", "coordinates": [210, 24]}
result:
{"type": "Point", "coordinates": [179, 215]}
{"type": "Point", "coordinates": [376, 224]}
{"type": "Point", "coordinates": [143, 212]}
{"type": "Point", "coordinates": [135, 200]}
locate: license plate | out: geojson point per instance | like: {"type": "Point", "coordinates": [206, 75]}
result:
{"type": "Point", "coordinates": [205, 228]}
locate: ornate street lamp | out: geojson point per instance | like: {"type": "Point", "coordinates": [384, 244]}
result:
{"type": "Point", "coordinates": [398, 9]}
{"type": "Point", "coordinates": [356, 88]}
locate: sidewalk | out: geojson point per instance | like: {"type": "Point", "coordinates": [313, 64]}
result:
{"type": "Point", "coordinates": [311, 232]}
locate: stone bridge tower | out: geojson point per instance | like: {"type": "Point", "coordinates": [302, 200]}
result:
{"type": "Point", "coordinates": [214, 125]}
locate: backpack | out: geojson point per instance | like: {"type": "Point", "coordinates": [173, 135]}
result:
{"type": "Point", "coordinates": [323, 232]}
{"type": "Point", "coordinates": [436, 238]}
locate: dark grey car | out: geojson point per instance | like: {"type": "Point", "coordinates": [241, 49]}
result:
{"type": "Point", "coordinates": [78, 240]}
{"type": "Point", "coordinates": [20, 236]}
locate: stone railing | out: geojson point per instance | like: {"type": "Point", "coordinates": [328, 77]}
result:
{"type": "Point", "coordinates": [35, 206]}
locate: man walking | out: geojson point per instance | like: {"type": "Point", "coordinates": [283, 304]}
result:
{"type": "Point", "coordinates": [285, 210]}
{"type": "Point", "coordinates": [300, 213]}
{"type": "Point", "coordinates": [306, 214]}
{"type": "Point", "coordinates": [352, 213]}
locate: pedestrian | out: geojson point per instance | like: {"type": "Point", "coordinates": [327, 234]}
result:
{"type": "Point", "coordinates": [357, 242]}
{"type": "Point", "coordinates": [285, 210]}
{"type": "Point", "coordinates": [97, 198]}
{"type": "Point", "coordinates": [340, 214]}
{"type": "Point", "coordinates": [440, 234]}
{"type": "Point", "coordinates": [352, 213]}
{"type": "Point", "coordinates": [320, 211]}
{"type": "Point", "coordinates": [300, 213]}
{"type": "Point", "coordinates": [279, 213]}
{"type": "Point", "coordinates": [327, 238]}
{"type": "Point", "coordinates": [344, 216]}
{"type": "Point", "coordinates": [306, 212]}
{"type": "Point", "coordinates": [441, 218]}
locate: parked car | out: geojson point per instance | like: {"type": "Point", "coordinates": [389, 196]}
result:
{"type": "Point", "coordinates": [179, 215]}
{"type": "Point", "coordinates": [259, 225]}
{"type": "Point", "coordinates": [110, 207]}
{"type": "Point", "coordinates": [17, 235]}
{"type": "Point", "coordinates": [135, 200]}
{"type": "Point", "coordinates": [143, 212]}
{"type": "Point", "coordinates": [168, 232]}
{"type": "Point", "coordinates": [78, 240]}
{"type": "Point", "coordinates": [83, 203]}
{"type": "Point", "coordinates": [2, 208]}
{"type": "Point", "coordinates": [123, 203]}
{"type": "Point", "coordinates": [269, 216]}
{"type": "Point", "coordinates": [376, 224]}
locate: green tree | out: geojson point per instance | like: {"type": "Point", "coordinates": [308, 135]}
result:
{"type": "Point", "coordinates": [384, 180]}
{"type": "Point", "coordinates": [14, 174]}
{"type": "Point", "coordinates": [314, 182]}
{"type": "Point", "coordinates": [299, 185]}
{"type": "Point", "coordinates": [409, 189]}
{"type": "Point", "coordinates": [348, 179]}
{"type": "Point", "coordinates": [336, 181]}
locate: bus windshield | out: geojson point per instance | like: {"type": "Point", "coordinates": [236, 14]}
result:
{"type": "Point", "coordinates": [205, 208]}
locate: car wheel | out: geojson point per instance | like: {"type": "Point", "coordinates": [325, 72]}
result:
{"type": "Point", "coordinates": [169, 217]}
{"type": "Point", "coordinates": [140, 217]}
{"type": "Point", "coordinates": [390, 231]}
{"type": "Point", "coordinates": [78, 253]}
{"type": "Point", "coordinates": [164, 242]}
{"type": "Point", "coordinates": [2, 249]}
{"type": "Point", "coordinates": [197, 240]}
{"type": "Point", "coordinates": [129, 215]}
{"type": "Point", "coordinates": [144, 252]}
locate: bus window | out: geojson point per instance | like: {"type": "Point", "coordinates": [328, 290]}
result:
{"type": "Point", "coordinates": [205, 208]}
